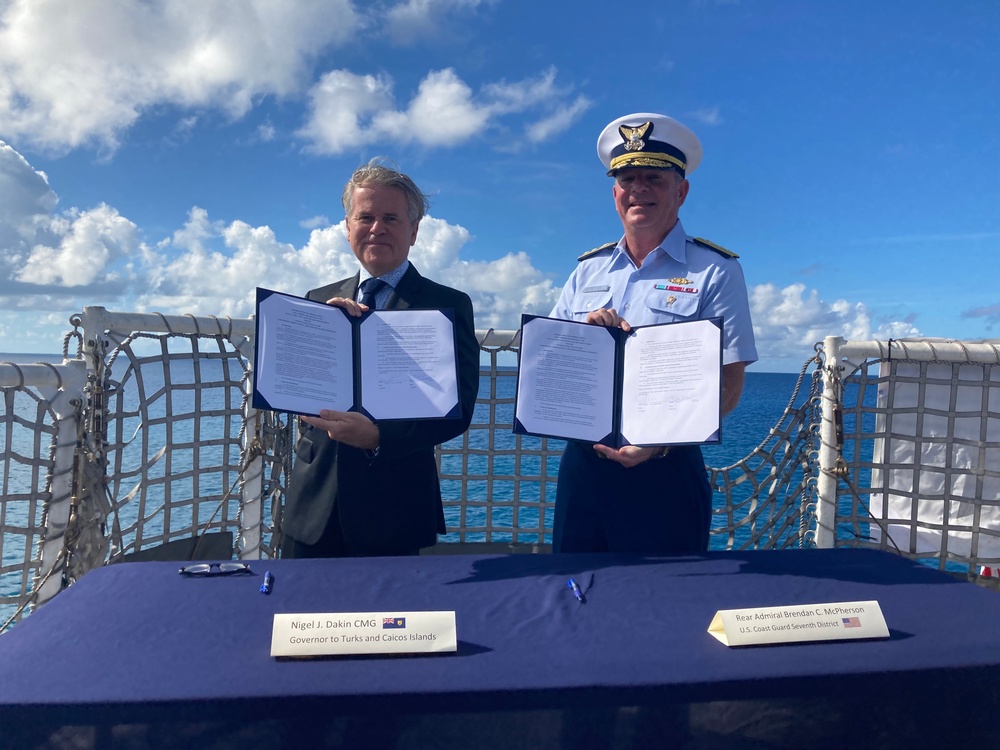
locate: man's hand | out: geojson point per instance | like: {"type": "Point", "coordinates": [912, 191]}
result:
{"type": "Point", "coordinates": [629, 455]}
{"type": "Point", "coordinates": [608, 316]}
{"type": "Point", "coordinates": [354, 309]}
{"type": "Point", "coordinates": [348, 427]}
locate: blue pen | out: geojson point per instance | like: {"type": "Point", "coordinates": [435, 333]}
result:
{"type": "Point", "coordinates": [577, 591]}
{"type": "Point", "coordinates": [265, 588]}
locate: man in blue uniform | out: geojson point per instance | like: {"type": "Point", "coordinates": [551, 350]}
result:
{"type": "Point", "coordinates": [655, 500]}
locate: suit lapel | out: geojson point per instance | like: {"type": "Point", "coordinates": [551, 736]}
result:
{"type": "Point", "coordinates": [407, 291]}
{"type": "Point", "coordinates": [347, 288]}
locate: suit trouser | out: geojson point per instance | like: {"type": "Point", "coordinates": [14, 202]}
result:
{"type": "Point", "coordinates": [333, 544]}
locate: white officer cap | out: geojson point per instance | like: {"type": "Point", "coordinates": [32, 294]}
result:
{"type": "Point", "coordinates": [649, 140]}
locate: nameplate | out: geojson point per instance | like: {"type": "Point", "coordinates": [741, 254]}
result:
{"type": "Point", "coordinates": [343, 633]}
{"type": "Point", "coordinates": [838, 621]}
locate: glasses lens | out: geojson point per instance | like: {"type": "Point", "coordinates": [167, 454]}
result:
{"type": "Point", "coordinates": [233, 567]}
{"type": "Point", "coordinates": [196, 570]}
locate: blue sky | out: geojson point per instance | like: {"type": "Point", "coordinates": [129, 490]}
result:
{"type": "Point", "coordinates": [173, 155]}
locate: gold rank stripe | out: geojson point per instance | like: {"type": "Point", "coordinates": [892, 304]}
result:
{"type": "Point", "coordinates": [644, 158]}
{"type": "Point", "coordinates": [718, 248]}
{"type": "Point", "coordinates": [596, 250]}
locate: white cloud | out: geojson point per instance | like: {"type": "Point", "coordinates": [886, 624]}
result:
{"type": "Point", "coordinates": [90, 244]}
{"type": "Point", "coordinates": [442, 113]}
{"type": "Point", "coordinates": [78, 74]}
{"type": "Point", "coordinates": [559, 121]}
{"type": "Point", "coordinates": [27, 201]}
{"type": "Point", "coordinates": [348, 110]}
{"type": "Point", "coordinates": [710, 116]}
{"type": "Point", "coordinates": [315, 222]}
{"type": "Point", "coordinates": [73, 248]}
{"type": "Point", "coordinates": [896, 329]}
{"type": "Point", "coordinates": [54, 262]}
{"type": "Point", "coordinates": [789, 321]}
{"type": "Point", "coordinates": [340, 106]}
{"type": "Point", "coordinates": [75, 73]}
{"type": "Point", "coordinates": [503, 289]}
{"type": "Point", "coordinates": [266, 132]}
{"type": "Point", "coordinates": [414, 21]}
{"type": "Point", "coordinates": [204, 281]}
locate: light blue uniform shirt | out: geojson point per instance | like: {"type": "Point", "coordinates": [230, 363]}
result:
{"type": "Point", "coordinates": [680, 280]}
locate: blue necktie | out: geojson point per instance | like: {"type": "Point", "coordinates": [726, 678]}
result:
{"type": "Point", "coordinates": [369, 289]}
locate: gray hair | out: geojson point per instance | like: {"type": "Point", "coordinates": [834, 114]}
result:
{"type": "Point", "coordinates": [376, 172]}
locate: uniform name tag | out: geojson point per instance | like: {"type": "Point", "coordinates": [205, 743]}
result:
{"type": "Point", "coordinates": [810, 622]}
{"type": "Point", "coordinates": [591, 289]}
{"type": "Point", "coordinates": [343, 633]}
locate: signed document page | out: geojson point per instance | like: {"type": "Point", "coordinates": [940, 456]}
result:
{"type": "Point", "coordinates": [672, 383]}
{"type": "Point", "coordinates": [388, 364]}
{"type": "Point", "coordinates": [656, 385]}
{"type": "Point", "coordinates": [408, 364]}
{"type": "Point", "coordinates": [304, 356]}
{"type": "Point", "coordinates": [566, 380]}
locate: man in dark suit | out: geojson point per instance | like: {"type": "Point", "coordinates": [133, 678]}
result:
{"type": "Point", "coordinates": [360, 487]}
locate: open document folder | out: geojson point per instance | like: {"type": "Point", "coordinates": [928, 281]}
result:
{"type": "Point", "coordinates": [387, 364]}
{"type": "Point", "coordinates": [656, 385]}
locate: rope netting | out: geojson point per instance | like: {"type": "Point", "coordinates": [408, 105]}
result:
{"type": "Point", "coordinates": [916, 452]}
{"type": "Point", "coordinates": [498, 488]}
{"type": "Point", "coordinates": [38, 436]}
{"type": "Point", "coordinates": [27, 435]}
{"type": "Point", "coordinates": [766, 500]}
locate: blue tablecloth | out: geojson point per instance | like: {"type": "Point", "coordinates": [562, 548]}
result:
{"type": "Point", "coordinates": [138, 642]}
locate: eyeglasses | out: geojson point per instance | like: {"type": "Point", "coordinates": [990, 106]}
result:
{"type": "Point", "coordinates": [215, 569]}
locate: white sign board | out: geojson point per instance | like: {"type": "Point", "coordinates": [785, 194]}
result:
{"type": "Point", "coordinates": [801, 622]}
{"type": "Point", "coordinates": [342, 633]}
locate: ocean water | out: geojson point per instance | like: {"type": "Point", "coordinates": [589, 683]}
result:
{"type": "Point", "coordinates": [764, 400]}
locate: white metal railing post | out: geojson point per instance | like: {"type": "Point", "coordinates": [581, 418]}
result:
{"type": "Point", "coordinates": [65, 397]}
{"type": "Point", "coordinates": [252, 516]}
{"type": "Point", "coordinates": [829, 450]}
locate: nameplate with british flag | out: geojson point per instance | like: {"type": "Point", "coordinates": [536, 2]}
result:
{"type": "Point", "coordinates": [346, 633]}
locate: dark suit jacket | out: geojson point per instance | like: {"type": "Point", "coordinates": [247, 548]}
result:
{"type": "Point", "coordinates": [389, 504]}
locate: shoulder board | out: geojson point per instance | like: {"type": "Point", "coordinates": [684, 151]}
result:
{"type": "Point", "coordinates": [596, 250]}
{"type": "Point", "coordinates": [718, 248]}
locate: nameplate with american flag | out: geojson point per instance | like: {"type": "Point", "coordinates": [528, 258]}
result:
{"type": "Point", "coordinates": [835, 621]}
{"type": "Point", "coordinates": [347, 633]}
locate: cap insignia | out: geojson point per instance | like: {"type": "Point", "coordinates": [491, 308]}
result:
{"type": "Point", "coordinates": [635, 138]}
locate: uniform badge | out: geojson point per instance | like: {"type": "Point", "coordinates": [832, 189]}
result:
{"type": "Point", "coordinates": [635, 138]}
{"type": "Point", "coordinates": [671, 299]}
{"type": "Point", "coordinates": [677, 285]}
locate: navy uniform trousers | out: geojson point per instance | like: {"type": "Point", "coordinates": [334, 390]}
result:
{"type": "Point", "coordinates": [660, 507]}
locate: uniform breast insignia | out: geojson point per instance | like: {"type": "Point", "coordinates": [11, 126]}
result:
{"type": "Point", "coordinates": [675, 285]}
{"type": "Point", "coordinates": [717, 248]}
{"type": "Point", "coordinates": [679, 280]}
{"type": "Point", "coordinates": [596, 250]}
